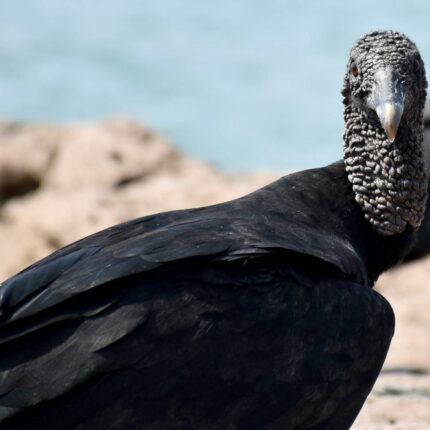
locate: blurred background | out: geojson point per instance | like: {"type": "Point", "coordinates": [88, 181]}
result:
{"type": "Point", "coordinates": [242, 84]}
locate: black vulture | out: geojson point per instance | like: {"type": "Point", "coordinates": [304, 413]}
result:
{"type": "Point", "coordinates": [255, 313]}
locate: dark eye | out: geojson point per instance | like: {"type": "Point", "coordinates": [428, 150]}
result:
{"type": "Point", "coordinates": [416, 66]}
{"type": "Point", "coordinates": [354, 69]}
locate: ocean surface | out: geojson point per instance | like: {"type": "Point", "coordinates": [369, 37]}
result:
{"type": "Point", "coordinates": [243, 84]}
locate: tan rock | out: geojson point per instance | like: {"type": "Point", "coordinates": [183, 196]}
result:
{"type": "Point", "coordinates": [407, 288]}
{"type": "Point", "coordinates": [58, 184]}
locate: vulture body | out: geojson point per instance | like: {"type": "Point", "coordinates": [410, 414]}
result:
{"type": "Point", "coordinates": [255, 313]}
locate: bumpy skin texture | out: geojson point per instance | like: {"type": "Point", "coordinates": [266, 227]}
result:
{"type": "Point", "coordinates": [421, 246]}
{"type": "Point", "coordinates": [389, 179]}
{"type": "Point", "coordinates": [253, 314]}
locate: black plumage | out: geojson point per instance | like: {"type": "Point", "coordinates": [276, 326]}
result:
{"type": "Point", "coordinates": [255, 313]}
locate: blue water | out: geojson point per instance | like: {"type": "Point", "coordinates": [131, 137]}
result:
{"type": "Point", "coordinates": [243, 84]}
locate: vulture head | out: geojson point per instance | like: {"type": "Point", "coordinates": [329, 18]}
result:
{"type": "Point", "coordinates": [384, 93]}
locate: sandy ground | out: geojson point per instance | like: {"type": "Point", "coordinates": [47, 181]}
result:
{"type": "Point", "coordinates": [58, 184]}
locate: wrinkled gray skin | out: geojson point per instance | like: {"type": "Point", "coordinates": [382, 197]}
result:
{"type": "Point", "coordinates": [387, 175]}
{"type": "Point", "coordinates": [421, 245]}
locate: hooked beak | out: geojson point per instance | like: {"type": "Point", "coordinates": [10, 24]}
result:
{"type": "Point", "coordinates": [389, 101]}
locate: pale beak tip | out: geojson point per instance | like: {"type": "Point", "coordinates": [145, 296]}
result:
{"type": "Point", "coordinates": [390, 115]}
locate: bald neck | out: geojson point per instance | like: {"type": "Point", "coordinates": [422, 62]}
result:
{"type": "Point", "coordinates": [388, 178]}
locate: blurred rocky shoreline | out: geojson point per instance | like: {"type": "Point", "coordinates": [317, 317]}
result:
{"type": "Point", "coordinates": [60, 183]}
